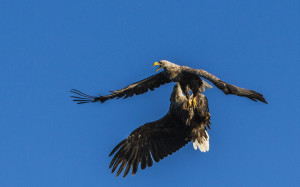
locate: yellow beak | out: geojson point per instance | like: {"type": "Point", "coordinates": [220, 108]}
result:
{"type": "Point", "coordinates": [157, 64]}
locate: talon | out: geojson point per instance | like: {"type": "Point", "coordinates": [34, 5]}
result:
{"type": "Point", "coordinates": [190, 104]}
{"type": "Point", "coordinates": [194, 103]}
{"type": "Point", "coordinates": [207, 117]}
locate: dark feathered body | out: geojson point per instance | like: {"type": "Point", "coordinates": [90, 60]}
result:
{"type": "Point", "coordinates": [190, 82]}
{"type": "Point", "coordinates": [156, 140]}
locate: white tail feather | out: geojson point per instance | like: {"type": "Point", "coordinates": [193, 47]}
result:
{"type": "Point", "coordinates": [203, 145]}
{"type": "Point", "coordinates": [205, 86]}
{"type": "Point", "coordinates": [195, 145]}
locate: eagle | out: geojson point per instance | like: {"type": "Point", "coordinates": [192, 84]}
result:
{"type": "Point", "coordinates": [188, 79]}
{"type": "Point", "coordinates": [158, 139]}
{"type": "Point", "coordinates": [188, 118]}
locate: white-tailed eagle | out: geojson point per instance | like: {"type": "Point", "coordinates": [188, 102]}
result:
{"type": "Point", "coordinates": [188, 78]}
{"type": "Point", "coordinates": [156, 140]}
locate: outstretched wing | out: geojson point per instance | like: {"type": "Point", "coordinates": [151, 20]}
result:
{"type": "Point", "coordinates": [137, 88]}
{"type": "Point", "coordinates": [225, 87]}
{"type": "Point", "coordinates": [154, 140]}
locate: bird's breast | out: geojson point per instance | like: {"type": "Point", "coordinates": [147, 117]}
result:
{"type": "Point", "coordinates": [173, 75]}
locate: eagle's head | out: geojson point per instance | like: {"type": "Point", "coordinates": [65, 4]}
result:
{"type": "Point", "coordinates": [163, 64]}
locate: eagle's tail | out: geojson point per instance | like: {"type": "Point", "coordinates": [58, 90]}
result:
{"type": "Point", "coordinates": [84, 98]}
{"type": "Point", "coordinates": [201, 141]}
{"type": "Point", "coordinates": [205, 85]}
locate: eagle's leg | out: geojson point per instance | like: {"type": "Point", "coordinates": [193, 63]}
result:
{"type": "Point", "coordinates": [186, 91]}
{"type": "Point", "coordinates": [194, 102]}
{"type": "Point", "coordinates": [190, 104]}
{"type": "Point", "coordinates": [190, 101]}
{"type": "Point", "coordinates": [188, 96]}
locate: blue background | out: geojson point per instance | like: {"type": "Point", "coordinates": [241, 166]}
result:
{"type": "Point", "coordinates": [49, 47]}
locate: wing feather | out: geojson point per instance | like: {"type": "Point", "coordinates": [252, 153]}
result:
{"type": "Point", "coordinates": [153, 152]}
{"type": "Point", "coordinates": [137, 88]}
{"type": "Point", "coordinates": [157, 139]}
{"type": "Point", "coordinates": [140, 87]}
{"type": "Point", "coordinates": [136, 161]}
{"type": "Point", "coordinates": [226, 87]}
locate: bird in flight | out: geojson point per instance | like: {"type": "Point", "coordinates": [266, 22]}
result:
{"type": "Point", "coordinates": [156, 140]}
{"type": "Point", "coordinates": [188, 78]}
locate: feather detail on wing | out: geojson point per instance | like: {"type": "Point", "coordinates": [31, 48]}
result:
{"type": "Point", "coordinates": [140, 87]}
{"type": "Point", "coordinates": [82, 98]}
{"type": "Point", "coordinates": [225, 87]}
{"type": "Point", "coordinates": [155, 140]}
{"type": "Point", "coordinates": [137, 88]}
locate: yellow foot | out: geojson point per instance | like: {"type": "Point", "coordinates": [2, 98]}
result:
{"type": "Point", "coordinates": [190, 104]}
{"type": "Point", "coordinates": [194, 103]}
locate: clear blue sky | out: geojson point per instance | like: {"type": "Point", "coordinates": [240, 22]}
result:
{"type": "Point", "coordinates": [49, 47]}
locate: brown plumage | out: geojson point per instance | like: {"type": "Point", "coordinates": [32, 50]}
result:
{"type": "Point", "coordinates": [137, 88]}
{"type": "Point", "coordinates": [156, 140]}
{"type": "Point", "coordinates": [171, 73]}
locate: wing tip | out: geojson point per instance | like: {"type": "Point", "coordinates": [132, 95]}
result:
{"type": "Point", "coordinates": [82, 98]}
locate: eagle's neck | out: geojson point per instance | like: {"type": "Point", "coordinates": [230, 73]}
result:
{"type": "Point", "coordinates": [172, 71]}
{"type": "Point", "coordinates": [177, 96]}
